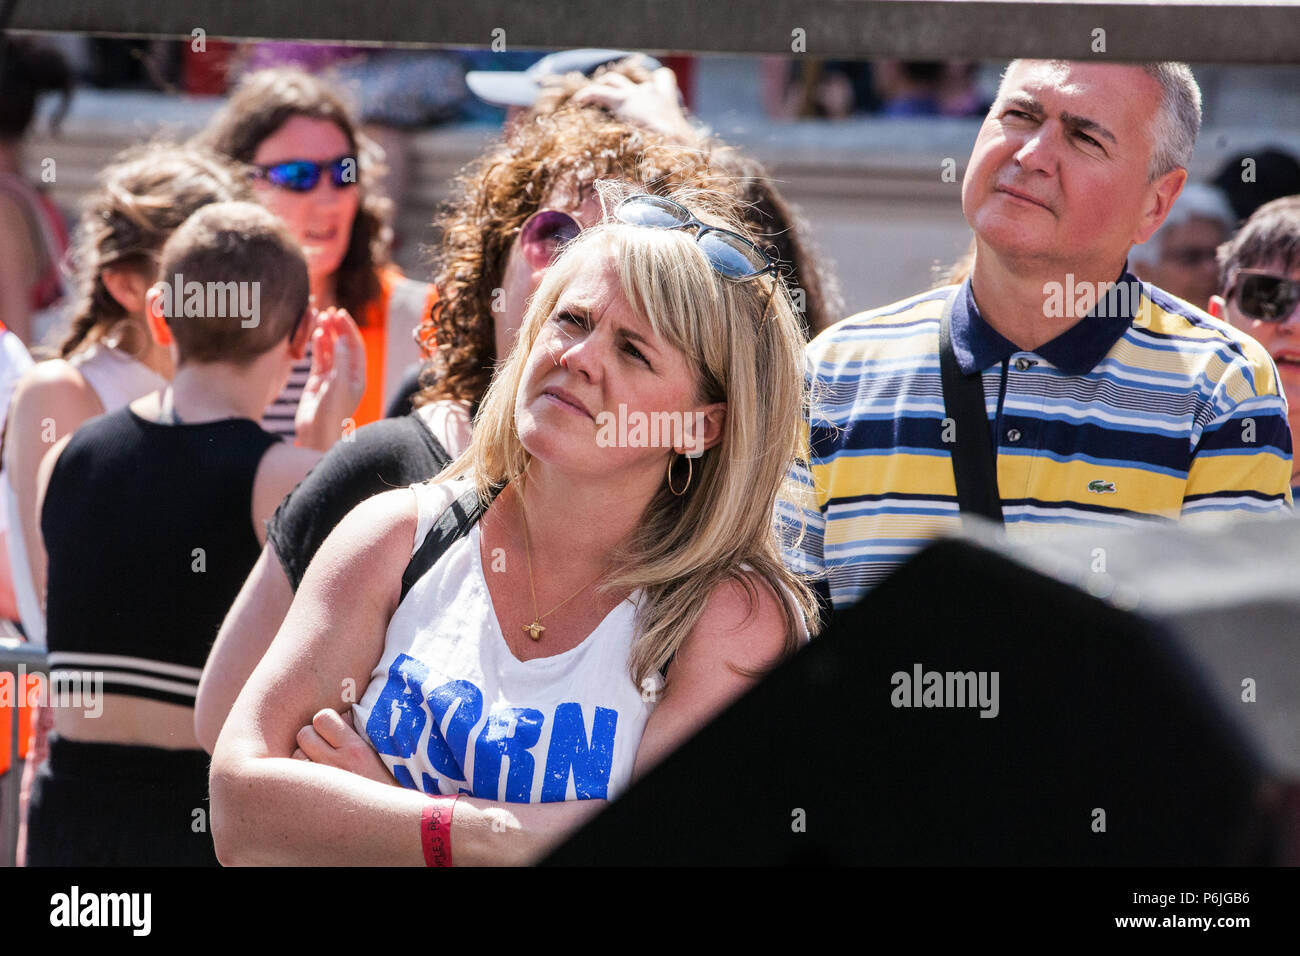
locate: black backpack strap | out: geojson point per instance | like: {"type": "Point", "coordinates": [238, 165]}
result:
{"type": "Point", "coordinates": [974, 463]}
{"type": "Point", "coordinates": [451, 526]}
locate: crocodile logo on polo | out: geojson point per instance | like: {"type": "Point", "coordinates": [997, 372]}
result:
{"type": "Point", "coordinates": [1100, 487]}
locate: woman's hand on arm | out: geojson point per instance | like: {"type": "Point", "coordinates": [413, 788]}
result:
{"type": "Point", "coordinates": [332, 739]}
{"type": "Point", "coordinates": [484, 832]}
{"type": "Point", "coordinates": [735, 633]}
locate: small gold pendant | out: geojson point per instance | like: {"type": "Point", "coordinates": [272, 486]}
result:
{"type": "Point", "coordinates": [534, 630]}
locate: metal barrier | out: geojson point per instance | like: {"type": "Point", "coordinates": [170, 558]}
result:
{"type": "Point", "coordinates": [20, 663]}
{"type": "Point", "coordinates": [1200, 31]}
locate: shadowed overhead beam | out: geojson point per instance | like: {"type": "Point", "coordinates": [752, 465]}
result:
{"type": "Point", "coordinates": [1243, 32]}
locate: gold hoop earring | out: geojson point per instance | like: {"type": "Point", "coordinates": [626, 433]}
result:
{"type": "Point", "coordinates": [690, 473]}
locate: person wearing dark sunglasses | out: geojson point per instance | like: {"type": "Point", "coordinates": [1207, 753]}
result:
{"type": "Point", "coordinates": [546, 232]}
{"type": "Point", "coordinates": [303, 175]}
{"type": "Point", "coordinates": [1260, 293]}
{"type": "Point", "coordinates": [311, 166]}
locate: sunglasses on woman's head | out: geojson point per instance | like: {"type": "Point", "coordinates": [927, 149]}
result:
{"type": "Point", "coordinates": [1266, 297]}
{"type": "Point", "coordinates": [731, 255]}
{"type": "Point", "coordinates": [302, 175]}
{"type": "Point", "coordinates": [545, 233]}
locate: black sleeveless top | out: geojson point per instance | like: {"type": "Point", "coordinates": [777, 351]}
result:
{"type": "Point", "coordinates": [387, 454]}
{"type": "Point", "coordinates": [149, 533]}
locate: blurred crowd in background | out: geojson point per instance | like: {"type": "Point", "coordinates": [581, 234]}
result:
{"type": "Point", "coordinates": [75, 283]}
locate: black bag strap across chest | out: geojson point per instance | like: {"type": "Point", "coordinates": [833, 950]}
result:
{"type": "Point", "coordinates": [451, 526]}
{"type": "Point", "coordinates": [974, 462]}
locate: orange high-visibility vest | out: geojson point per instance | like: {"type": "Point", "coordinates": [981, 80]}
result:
{"type": "Point", "coordinates": [387, 324]}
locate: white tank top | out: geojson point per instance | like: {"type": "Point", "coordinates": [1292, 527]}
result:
{"type": "Point", "coordinates": [117, 379]}
{"type": "Point", "coordinates": [450, 423]}
{"type": "Point", "coordinates": [451, 710]}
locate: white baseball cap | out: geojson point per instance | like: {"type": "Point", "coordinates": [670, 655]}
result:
{"type": "Point", "coordinates": [512, 88]}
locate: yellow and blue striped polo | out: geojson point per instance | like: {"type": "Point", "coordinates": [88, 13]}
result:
{"type": "Point", "coordinates": [1146, 410]}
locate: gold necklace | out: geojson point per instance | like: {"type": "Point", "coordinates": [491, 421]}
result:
{"type": "Point", "coordinates": [536, 628]}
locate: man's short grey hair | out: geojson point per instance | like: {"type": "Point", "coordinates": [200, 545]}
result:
{"type": "Point", "coordinates": [1178, 118]}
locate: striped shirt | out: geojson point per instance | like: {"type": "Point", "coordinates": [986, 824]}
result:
{"type": "Point", "coordinates": [278, 419]}
{"type": "Point", "coordinates": [1146, 410]}
{"type": "Point", "coordinates": [387, 324]}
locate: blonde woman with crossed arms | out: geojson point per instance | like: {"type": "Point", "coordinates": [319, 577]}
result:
{"type": "Point", "coordinates": [516, 683]}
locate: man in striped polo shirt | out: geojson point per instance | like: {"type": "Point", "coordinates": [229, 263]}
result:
{"type": "Point", "coordinates": [1109, 401]}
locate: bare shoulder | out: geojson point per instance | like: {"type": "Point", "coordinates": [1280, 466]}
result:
{"type": "Point", "coordinates": [56, 383]}
{"type": "Point", "coordinates": [743, 623]}
{"type": "Point", "coordinates": [382, 521]}
{"type": "Point", "coordinates": [739, 635]}
{"type": "Point", "coordinates": [51, 400]}
{"type": "Point", "coordinates": [373, 539]}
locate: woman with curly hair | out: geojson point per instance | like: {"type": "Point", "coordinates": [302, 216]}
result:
{"type": "Point", "coordinates": [313, 168]}
{"type": "Point", "coordinates": [634, 93]}
{"type": "Point", "coordinates": [517, 206]}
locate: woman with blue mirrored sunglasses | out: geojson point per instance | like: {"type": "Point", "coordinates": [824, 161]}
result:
{"type": "Point", "coordinates": [302, 175]}
{"type": "Point", "coordinates": [294, 131]}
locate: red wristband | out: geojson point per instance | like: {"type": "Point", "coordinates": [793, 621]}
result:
{"type": "Point", "coordinates": [435, 830]}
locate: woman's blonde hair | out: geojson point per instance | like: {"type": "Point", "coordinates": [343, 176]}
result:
{"type": "Point", "coordinates": [744, 350]}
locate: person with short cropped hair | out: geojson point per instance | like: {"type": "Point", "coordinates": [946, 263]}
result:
{"type": "Point", "coordinates": [1075, 394]}
{"type": "Point", "coordinates": [152, 516]}
{"type": "Point", "coordinates": [107, 357]}
{"type": "Point", "coordinates": [1259, 293]}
